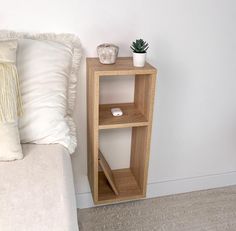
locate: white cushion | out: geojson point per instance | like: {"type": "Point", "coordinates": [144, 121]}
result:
{"type": "Point", "coordinates": [8, 51]}
{"type": "Point", "coordinates": [10, 147]}
{"type": "Point", "coordinates": [43, 68]}
{"type": "Point", "coordinates": [10, 103]}
{"type": "Point", "coordinates": [48, 66]}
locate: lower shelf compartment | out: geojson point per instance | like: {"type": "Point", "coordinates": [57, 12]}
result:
{"type": "Point", "coordinates": [126, 184]}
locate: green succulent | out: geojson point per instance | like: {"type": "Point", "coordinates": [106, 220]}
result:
{"type": "Point", "coordinates": [139, 46]}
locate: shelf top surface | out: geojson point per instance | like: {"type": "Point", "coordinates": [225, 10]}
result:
{"type": "Point", "coordinates": [131, 117]}
{"type": "Point", "coordinates": [123, 66]}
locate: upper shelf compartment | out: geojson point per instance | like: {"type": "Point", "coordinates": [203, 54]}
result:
{"type": "Point", "coordinates": [131, 117]}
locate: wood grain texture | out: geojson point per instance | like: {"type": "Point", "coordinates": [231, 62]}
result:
{"type": "Point", "coordinates": [131, 117]}
{"type": "Point", "coordinates": [92, 127]}
{"type": "Point", "coordinates": [126, 184]}
{"type": "Point", "coordinates": [107, 172]}
{"type": "Point", "coordinates": [141, 136]}
{"type": "Point", "coordinates": [123, 66]}
{"type": "Point", "coordinates": [131, 183]}
{"type": "Point", "coordinates": [139, 155]}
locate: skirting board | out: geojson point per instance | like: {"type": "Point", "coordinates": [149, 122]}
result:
{"type": "Point", "coordinates": [84, 200]}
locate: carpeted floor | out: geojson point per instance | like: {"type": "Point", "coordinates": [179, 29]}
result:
{"type": "Point", "coordinates": [211, 210]}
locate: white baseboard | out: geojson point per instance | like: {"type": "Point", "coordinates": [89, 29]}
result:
{"type": "Point", "coordinates": [84, 200]}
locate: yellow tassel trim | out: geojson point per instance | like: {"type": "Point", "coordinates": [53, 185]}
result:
{"type": "Point", "coordinates": [10, 97]}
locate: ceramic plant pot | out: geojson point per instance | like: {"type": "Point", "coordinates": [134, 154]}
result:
{"type": "Point", "coordinates": [139, 59]}
{"type": "Point", "coordinates": [107, 53]}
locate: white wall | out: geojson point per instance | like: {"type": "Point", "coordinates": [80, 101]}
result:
{"type": "Point", "coordinates": [193, 44]}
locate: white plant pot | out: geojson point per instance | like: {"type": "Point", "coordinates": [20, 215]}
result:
{"type": "Point", "coordinates": [139, 59]}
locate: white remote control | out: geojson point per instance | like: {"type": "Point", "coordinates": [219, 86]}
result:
{"type": "Point", "coordinates": [116, 112]}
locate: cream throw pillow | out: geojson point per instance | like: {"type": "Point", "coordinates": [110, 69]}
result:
{"type": "Point", "coordinates": [10, 103]}
{"type": "Point", "coordinates": [48, 66]}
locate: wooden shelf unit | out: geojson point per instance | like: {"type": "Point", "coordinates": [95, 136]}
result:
{"type": "Point", "coordinates": [132, 182]}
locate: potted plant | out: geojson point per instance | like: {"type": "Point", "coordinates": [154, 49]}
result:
{"type": "Point", "coordinates": [139, 48]}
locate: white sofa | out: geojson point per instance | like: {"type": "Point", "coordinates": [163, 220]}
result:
{"type": "Point", "coordinates": [37, 193]}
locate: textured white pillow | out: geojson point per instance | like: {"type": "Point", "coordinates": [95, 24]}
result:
{"type": "Point", "coordinates": [48, 66]}
{"type": "Point", "coordinates": [10, 103]}
{"type": "Point", "coordinates": [10, 147]}
{"type": "Point", "coordinates": [43, 68]}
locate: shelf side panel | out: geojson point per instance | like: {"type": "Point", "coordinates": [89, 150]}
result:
{"type": "Point", "coordinates": [139, 154]}
{"type": "Point", "coordinates": [92, 130]}
{"type": "Point", "coordinates": [141, 136]}
{"type": "Point", "coordinates": [143, 94]}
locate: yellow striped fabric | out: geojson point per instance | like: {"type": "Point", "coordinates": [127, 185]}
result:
{"type": "Point", "coordinates": [10, 97]}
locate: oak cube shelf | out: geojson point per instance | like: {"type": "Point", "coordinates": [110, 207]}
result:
{"type": "Point", "coordinates": [131, 183]}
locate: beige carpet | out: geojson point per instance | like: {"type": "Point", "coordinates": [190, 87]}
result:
{"type": "Point", "coordinates": [211, 210]}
